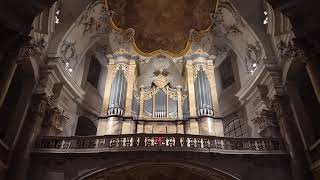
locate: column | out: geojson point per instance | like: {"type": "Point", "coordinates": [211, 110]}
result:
{"type": "Point", "coordinates": [290, 133]}
{"type": "Point", "coordinates": [29, 133]}
{"type": "Point", "coordinates": [213, 87]}
{"type": "Point", "coordinates": [180, 113]}
{"type": "Point", "coordinates": [313, 68]}
{"type": "Point", "coordinates": [131, 79]}
{"type": "Point", "coordinates": [18, 118]}
{"type": "Point", "coordinates": [6, 78]}
{"type": "Point", "coordinates": [192, 98]}
{"type": "Point", "coordinates": [302, 120]}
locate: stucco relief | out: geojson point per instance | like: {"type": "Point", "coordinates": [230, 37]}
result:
{"type": "Point", "coordinates": [266, 116]}
{"type": "Point", "coordinates": [68, 51]}
{"type": "Point", "coordinates": [254, 55]}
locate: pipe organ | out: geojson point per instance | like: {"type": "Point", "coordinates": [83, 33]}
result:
{"type": "Point", "coordinates": [159, 98]}
{"type": "Point", "coordinates": [203, 93]}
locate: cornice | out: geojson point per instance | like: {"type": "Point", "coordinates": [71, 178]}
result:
{"type": "Point", "coordinates": [264, 72]}
{"type": "Point", "coordinates": [56, 67]}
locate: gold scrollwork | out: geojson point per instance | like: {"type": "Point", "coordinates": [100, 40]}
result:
{"type": "Point", "coordinates": [196, 69]}
{"type": "Point", "coordinates": [124, 68]}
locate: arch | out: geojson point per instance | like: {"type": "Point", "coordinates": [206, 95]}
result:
{"type": "Point", "coordinates": [85, 127]}
{"type": "Point", "coordinates": [170, 170]}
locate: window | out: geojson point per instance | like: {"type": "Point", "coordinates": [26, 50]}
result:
{"type": "Point", "coordinates": [94, 72]}
{"type": "Point", "coordinates": [226, 73]}
{"type": "Point", "coordinates": [235, 129]}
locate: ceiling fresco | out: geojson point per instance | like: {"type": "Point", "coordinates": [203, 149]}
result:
{"type": "Point", "coordinates": [161, 25]}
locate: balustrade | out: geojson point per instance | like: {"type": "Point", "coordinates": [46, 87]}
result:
{"type": "Point", "coordinates": [167, 142]}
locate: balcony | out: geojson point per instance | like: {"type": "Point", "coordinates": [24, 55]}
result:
{"type": "Point", "coordinates": [159, 142]}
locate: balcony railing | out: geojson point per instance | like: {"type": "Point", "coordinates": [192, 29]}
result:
{"type": "Point", "coordinates": [159, 142]}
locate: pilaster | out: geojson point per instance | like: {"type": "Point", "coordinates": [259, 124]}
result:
{"type": "Point", "coordinates": [131, 79]}
{"type": "Point", "coordinates": [110, 76]}
{"type": "Point", "coordinates": [180, 113]}
{"type": "Point", "coordinates": [141, 108]}
{"type": "Point", "coordinates": [190, 80]}
{"type": "Point", "coordinates": [213, 86]}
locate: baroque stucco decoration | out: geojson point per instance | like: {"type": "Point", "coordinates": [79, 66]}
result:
{"type": "Point", "coordinates": [254, 55]}
{"type": "Point", "coordinates": [155, 27]}
{"type": "Point", "coordinates": [68, 51]}
{"type": "Point", "coordinates": [266, 117]}
{"type": "Point", "coordinates": [164, 66]}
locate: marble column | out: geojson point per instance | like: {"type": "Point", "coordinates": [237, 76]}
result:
{"type": "Point", "coordinates": [313, 68]}
{"type": "Point", "coordinates": [6, 77]}
{"type": "Point", "coordinates": [131, 79]}
{"type": "Point", "coordinates": [290, 133]}
{"type": "Point", "coordinates": [304, 124]}
{"type": "Point", "coordinates": [210, 126]}
{"type": "Point", "coordinates": [30, 131]}
{"type": "Point", "coordinates": [111, 126]}
{"type": "Point", "coordinates": [18, 118]}
{"type": "Point", "coordinates": [192, 97]}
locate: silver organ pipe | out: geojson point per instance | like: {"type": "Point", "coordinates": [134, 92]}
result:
{"type": "Point", "coordinates": [203, 95]}
{"type": "Point", "coordinates": [117, 95]}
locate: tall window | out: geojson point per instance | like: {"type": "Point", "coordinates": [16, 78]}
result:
{"type": "Point", "coordinates": [94, 72]}
{"type": "Point", "coordinates": [226, 73]}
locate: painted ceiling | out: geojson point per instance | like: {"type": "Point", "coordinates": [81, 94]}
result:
{"type": "Point", "coordinates": [161, 25]}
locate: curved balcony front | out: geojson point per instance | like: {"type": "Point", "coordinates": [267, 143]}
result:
{"type": "Point", "coordinates": [159, 142]}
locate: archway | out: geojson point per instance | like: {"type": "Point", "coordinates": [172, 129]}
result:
{"type": "Point", "coordinates": [158, 171]}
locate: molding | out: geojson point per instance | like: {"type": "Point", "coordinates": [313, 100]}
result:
{"type": "Point", "coordinates": [266, 71]}
{"type": "Point", "coordinates": [56, 67]}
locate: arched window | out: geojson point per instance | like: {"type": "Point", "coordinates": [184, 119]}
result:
{"type": "Point", "coordinates": [85, 127]}
{"type": "Point", "coordinates": [94, 72]}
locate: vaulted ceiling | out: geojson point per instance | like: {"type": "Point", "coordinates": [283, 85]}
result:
{"type": "Point", "coordinates": [162, 24]}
